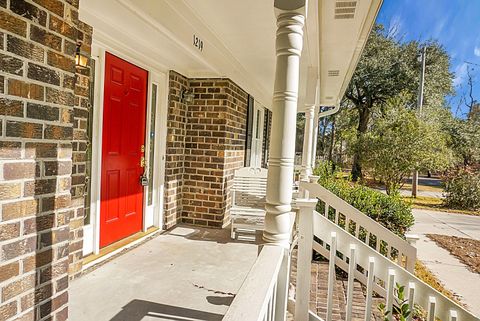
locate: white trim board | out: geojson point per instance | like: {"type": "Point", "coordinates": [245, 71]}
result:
{"type": "Point", "coordinates": [92, 237]}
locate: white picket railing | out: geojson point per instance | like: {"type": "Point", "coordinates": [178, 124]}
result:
{"type": "Point", "coordinates": [263, 296]}
{"type": "Point", "coordinates": [394, 247]}
{"type": "Point", "coordinates": [377, 273]}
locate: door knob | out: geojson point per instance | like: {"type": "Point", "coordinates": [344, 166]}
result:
{"type": "Point", "coordinates": [142, 161]}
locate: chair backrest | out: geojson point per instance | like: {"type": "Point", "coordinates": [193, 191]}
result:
{"type": "Point", "coordinates": [250, 187]}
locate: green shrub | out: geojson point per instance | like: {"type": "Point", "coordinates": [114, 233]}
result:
{"type": "Point", "coordinates": [390, 211]}
{"type": "Point", "coordinates": [326, 170]}
{"type": "Point", "coordinates": [462, 189]}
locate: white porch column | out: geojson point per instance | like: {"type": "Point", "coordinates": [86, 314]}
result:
{"type": "Point", "coordinates": [308, 142]}
{"type": "Point", "coordinates": [315, 137]}
{"type": "Point", "coordinates": [289, 41]}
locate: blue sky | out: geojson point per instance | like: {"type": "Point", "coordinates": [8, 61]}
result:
{"type": "Point", "coordinates": [454, 23]}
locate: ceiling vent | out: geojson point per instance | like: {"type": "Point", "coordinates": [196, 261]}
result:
{"type": "Point", "coordinates": [333, 73]}
{"type": "Point", "coordinates": [345, 9]}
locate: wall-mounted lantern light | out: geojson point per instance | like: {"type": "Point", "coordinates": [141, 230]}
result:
{"type": "Point", "coordinates": [187, 96]}
{"type": "Point", "coordinates": [81, 57]}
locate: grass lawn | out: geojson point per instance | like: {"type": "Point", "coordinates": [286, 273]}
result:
{"type": "Point", "coordinates": [435, 204]}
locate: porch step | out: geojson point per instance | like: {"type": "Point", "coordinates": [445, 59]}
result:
{"type": "Point", "coordinates": [318, 293]}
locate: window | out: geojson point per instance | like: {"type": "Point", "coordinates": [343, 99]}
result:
{"type": "Point", "coordinates": [88, 163]}
{"type": "Point", "coordinates": [248, 140]}
{"type": "Point", "coordinates": [267, 126]}
{"type": "Point", "coordinates": [151, 147]}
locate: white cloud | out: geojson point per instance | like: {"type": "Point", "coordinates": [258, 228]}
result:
{"type": "Point", "coordinates": [460, 74]}
{"type": "Point", "coordinates": [439, 26]}
{"type": "Point", "coordinates": [396, 26]}
{"type": "Point", "coordinates": [476, 51]}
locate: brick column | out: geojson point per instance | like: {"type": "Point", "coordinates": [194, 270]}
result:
{"type": "Point", "coordinates": [37, 97]}
{"type": "Point", "coordinates": [175, 156]}
{"type": "Point", "coordinates": [205, 145]}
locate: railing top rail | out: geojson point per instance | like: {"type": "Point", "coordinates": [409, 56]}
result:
{"type": "Point", "coordinates": [252, 298]}
{"type": "Point", "coordinates": [317, 190]}
{"type": "Point", "coordinates": [323, 228]}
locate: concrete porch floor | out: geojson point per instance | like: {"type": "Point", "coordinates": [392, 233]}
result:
{"type": "Point", "coordinates": [187, 273]}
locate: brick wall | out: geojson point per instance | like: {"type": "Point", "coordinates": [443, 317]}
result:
{"type": "Point", "coordinates": [174, 163]}
{"type": "Point", "coordinates": [81, 110]}
{"type": "Point", "coordinates": [235, 134]}
{"type": "Point", "coordinates": [37, 116]}
{"type": "Point", "coordinates": [205, 144]}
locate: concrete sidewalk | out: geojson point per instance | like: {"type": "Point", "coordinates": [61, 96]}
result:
{"type": "Point", "coordinates": [453, 273]}
{"type": "Point", "coordinates": [187, 273]}
{"type": "Point", "coordinates": [436, 222]}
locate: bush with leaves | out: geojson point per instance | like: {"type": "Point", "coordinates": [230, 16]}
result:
{"type": "Point", "coordinates": [390, 211]}
{"type": "Point", "coordinates": [400, 142]}
{"type": "Point", "coordinates": [462, 188]}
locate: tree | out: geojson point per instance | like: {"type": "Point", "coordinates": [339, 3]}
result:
{"type": "Point", "coordinates": [388, 68]}
{"type": "Point", "coordinates": [401, 142]}
{"type": "Point", "coordinates": [465, 139]}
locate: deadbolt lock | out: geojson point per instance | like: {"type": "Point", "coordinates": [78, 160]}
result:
{"type": "Point", "coordinates": [144, 180]}
{"type": "Point", "coordinates": [142, 148]}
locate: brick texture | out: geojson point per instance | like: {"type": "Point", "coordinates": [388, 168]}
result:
{"type": "Point", "coordinates": [206, 142]}
{"type": "Point", "coordinates": [79, 115]}
{"type": "Point", "coordinates": [175, 155]}
{"type": "Point", "coordinates": [40, 155]}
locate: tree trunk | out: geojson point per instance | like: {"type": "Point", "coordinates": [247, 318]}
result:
{"type": "Point", "coordinates": [324, 128]}
{"type": "Point", "coordinates": [332, 141]}
{"type": "Point", "coordinates": [363, 118]}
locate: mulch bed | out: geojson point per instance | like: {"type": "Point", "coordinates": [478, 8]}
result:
{"type": "Point", "coordinates": [466, 250]}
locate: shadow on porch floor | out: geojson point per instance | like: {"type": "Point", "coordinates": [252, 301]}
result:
{"type": "Point", "coordinates": [188, 273]}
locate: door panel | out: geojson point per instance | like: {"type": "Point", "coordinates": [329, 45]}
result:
{"type": "Point", "coordinates": [121, 209]}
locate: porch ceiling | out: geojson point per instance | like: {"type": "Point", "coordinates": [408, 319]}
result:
{"type": "Point", "coordinates": [239, 39]}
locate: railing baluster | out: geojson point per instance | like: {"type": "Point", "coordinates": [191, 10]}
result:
{"type": "Point", "coordinates": [369, 301]}
{"type": "Point", "coordinates": [431, 308]}
{"type": "Point", "coordinates": [411, 299]}
{"type": "Point", "coordinates": [453, 315]}
{"type": "Point", "coordinates": [270, 308]}
{"type": "Point", "coordinates": [377, 242]}
{"type": "Point", "coordinates": [304, 257]}
{"type": "Point", "coordinates": [337, 216]}
{"type": "Point", "coordinates": [331, 275]}
{"type": "Point", "coordinates": [390, 292]}
{"type": "Point", "coordinates": [357, 230]}
{"type": "Point", "coordinates": [326, 209]}
{"type": "Point", "coordinates": [283, 283]}
{"type": "Point", "coordinates": [351, 277]}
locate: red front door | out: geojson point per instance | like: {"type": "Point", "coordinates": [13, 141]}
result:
{"type": "Point", "coordinates": [125, 101]}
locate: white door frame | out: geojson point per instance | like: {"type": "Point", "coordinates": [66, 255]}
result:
{"type": "Point", "coordinates": [152, 216]}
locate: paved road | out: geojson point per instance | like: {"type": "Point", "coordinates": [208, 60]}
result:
{"type": "Point", "coordinates": [407, 192]}
{"type": "Point", "coordinates": [435, 222]}
{"type": "Point", "coordinates": [448, 269]}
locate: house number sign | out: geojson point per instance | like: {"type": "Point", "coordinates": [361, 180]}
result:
{"type": "Point", "coordinates": [197, 42]}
